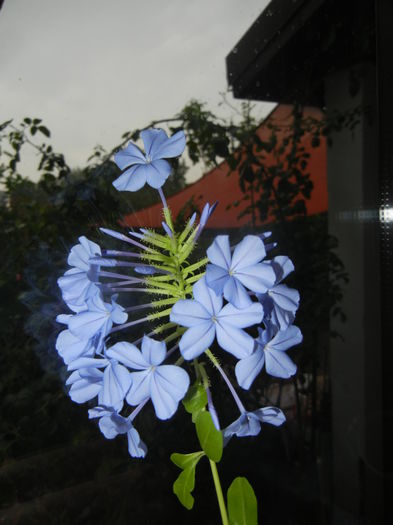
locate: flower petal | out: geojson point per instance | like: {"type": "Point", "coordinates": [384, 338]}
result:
{"type": "Point", "coordinates": [235, 293]}
{"type": "Point", "coordinates": [132, 180]}
{"type": "Point", "coordinates": [128, 354]}
{"type": "Point", "coordinates": [207, 297]}
{"type": "Point", "coordinates": [234, 340]}
{"type": "Point", "coordinates": [70, 347]}
{"type": "Point", "coordinates": [241, 318]}
{"type": "Point", "coordinates": [129, 156]}
{"type": "Point", "coordinates": [153, 351]}
{"type": "Point", "coordinates": [248, 252]}
{"type": "Point", "coordinates": [116, 383]}
{"type": "Point", "coordinates": [248, 368]}
{"type": "Point", "coordinates": [196, 340]}
{"type": "Point", "coordinates": [216, 277]}
{"type": "Point", "coordinates": [169, 384]}
{"type": "Point", "coordinates": [285, 339]}
{"type": "Point", "coordinates": [272, 415]}
{"type": "Point", "coordinates": [219, 252]}
{"type": "Point", "coordinates": [158, 172]}
{"type": "Point", "coordinates": [152, 140]}
{"type": "Point", "coordinates": [187, 312]}
{"type": "Point", "coordinates": [172, 147]}
{"type": "Point", "coordinates": [279, 364]}
{"type": "Point", "coordinates": [140, 388]}
{"type": "Point", "coordinates": [136, 447]}
{"type": "Point", "coordinates": [257, 278]}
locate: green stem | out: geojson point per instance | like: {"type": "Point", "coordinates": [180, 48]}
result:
{"type": "Point", "coordinates": [220, 497]}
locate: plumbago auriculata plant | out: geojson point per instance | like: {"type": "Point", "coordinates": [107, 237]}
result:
{"type": "Point", "coordinates": [192, 304]}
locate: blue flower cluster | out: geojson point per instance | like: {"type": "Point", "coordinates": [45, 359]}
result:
{"type": "Point", "coordinates": [215, 299]}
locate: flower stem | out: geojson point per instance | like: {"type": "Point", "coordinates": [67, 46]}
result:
{"type": "Point", "coordinates": [220, 497]}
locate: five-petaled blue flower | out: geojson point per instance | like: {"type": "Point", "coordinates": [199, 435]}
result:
{"type": "Point", "coordinates": [271, 347]}
{"type": "Point", "coordinates": [150, 166]}
{"type": "Point", "coordinates": [280, 302]}
{"type": "Point", "coordinates": [249, 423]}
{"type": "Point", "coordinates": [165, 385]}
{"type": "Point", "coordinates": [112, 424]}
{"type": "Point", "coordinates": [230, 275]}
{"type": "Point", "coordinates": [78, 284]}
{"type": "Point", "coordinates": [206, 318]}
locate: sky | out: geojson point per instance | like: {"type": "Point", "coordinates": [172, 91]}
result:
{"type": "Point", "coordinates": [93, 69]}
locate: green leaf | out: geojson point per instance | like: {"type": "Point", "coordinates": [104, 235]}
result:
{"type": "Point", "coordinates": [184, 461]}
{"type": "Point", "coordinates": [183, 487]}
{"type": "Point", "coordinates": [195, 399]}
{"type": "Point", "coordinates": [242, 503]}
{"type": "Point", "coordinates": [45, 131]}
{"type": "Point", "coordinates": [209, 437]}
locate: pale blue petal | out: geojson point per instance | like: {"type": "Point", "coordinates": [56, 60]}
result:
{"type": "Point", "coordinates": [278, 364]}
{"type": "Point", "coordinates": [86, 387]}
{"type": "Point", "coordinates": [152, 140]}
{"type": "Point", "coordinates": [248, 368]}
{"type": "Point", "coordinates": [216, 277]}
{"type": "Point", "coordinates": [187, 312]}
{"type": "Point", "coordinates": [284, 297]}
{"type": "Point", "coordinates": [87, 363]}
{"type": "Point", "coordinates": [86, 324]}
{"type": "Point", "coordinates": [283, 266]}
{"type": "Point", "coordinates": [235, 293]}
{"type": "Point", "coordinates": [207, 297]}
{"type": "Point", "coordinates": [153, 351]}
{"type": "Point", "coordinates": [241, 318]}
{"type": "Point", "coordinates": [272, 415]}
{"type": "Point", "coordinates": [128, 156]}
{"type": "Point", "coordinates": [168, 385]}
{"type": "Point", "coordinates": [287, 338]}
{"type": "Point", "coordinates": [80, 253]}
{"type": "Point", "coordinates": [248, 252]}
{"type": "Point", "coordinates": [131, 180]}
{"type": "Point", "coordinates": [158, 173]}
{"type": "Point", "coordinates": [242, 427]}
{"type": "Point", "coordinates": [140, 387]}
{"type": "Point", "coordinates": [172, 147]}
{"type": "Point", "coordinates": [136, 447]}
{"type": "Point", "coordinates": [108, 427]}
{"type": "Point", "coordinates": [196, 340]}
{"type": "Point", "coordinates": [118, 315]}
{"type": "Point", "coordinates": [219, 252]}
{"type": "Point", "coordinates": [234, 340]}
{"type": "Point", "coordinates": [64, 318]}
{"type": "Point", "coordinates": [129, 355]}
{"type": "Point", "coordinates": [70, 347]}
{"type": "Point", "coordinates": [116, 383]}
{"type": "Point", "coordinates": [257, 278]}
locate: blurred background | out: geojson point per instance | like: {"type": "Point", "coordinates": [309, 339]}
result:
{"type": "Point", "coordinates": [288, 115]}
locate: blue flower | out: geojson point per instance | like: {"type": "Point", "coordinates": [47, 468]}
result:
{"type": "Point", "coordinates": [150, 166]}
{"type": "Point", "coordinates": [165, 385]}
{"type": "Point", "coordinates": [280, 303]}
{"type": "Point", "coordinates": [270, 351]}
{"type": "Point", "coordinates": [97, 320]}
{"type": "Point", "coordinates": [78, 284]}
{"type": "Point", "coordinates": [232, 274]}
{"type": "Point", "coordinates": [249, 423]}
{"type": "Point", "coordinates": [87, 381]}
{"type": "Point", "coordinates": [206, 318]}
{"type": "Point", "coordinates": [71, 347]}
{"type": "Point", "coordinates": [112, 424]}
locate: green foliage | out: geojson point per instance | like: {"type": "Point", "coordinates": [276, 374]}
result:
{"type": "Point", "coordinates": [195, 400]}
{"type": "Point", "coordinates": [209, 437]}
{"type": "Point", "coordinates": [185, 483]}
{"type": "Point", "coordinates": [242, 503]}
